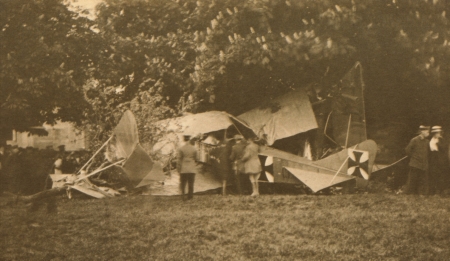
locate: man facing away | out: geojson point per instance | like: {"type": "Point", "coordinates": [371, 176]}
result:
{"type": "Point", "coordinates": [186, 166]}
{"type": "Point", "coordinates": [417, 150]}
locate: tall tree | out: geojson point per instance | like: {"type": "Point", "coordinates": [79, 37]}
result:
{"type": "Point", "coordinates": [190, 56]}
{"type": "Point", "coordinates": [199, 55]}
{"type": "Point", "coordinates": [46, 52]}
{"type": "Point", "coordinates": [404, 47]}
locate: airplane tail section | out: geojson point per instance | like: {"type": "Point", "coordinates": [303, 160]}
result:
{"type": "Point", "coordinates": [355, 161]}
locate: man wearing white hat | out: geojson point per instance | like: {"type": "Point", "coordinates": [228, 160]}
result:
{"type": "Point", "coordinates": [417, 150]}
{"type": "Point", "coordinates": [438, 162]}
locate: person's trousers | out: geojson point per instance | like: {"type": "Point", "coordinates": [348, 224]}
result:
{"type": "Point", "coordinates": [188, 178]}
{"type": "Point", "coordinates": [415, 176]}
{"type": "Point", "coordinates": [239, 182]}
{"type": "Point", "coordinates": [436, 175]}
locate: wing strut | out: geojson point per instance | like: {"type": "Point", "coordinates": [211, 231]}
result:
{"type": "Point", "coordinates": [95, 154]}
{"type": "Point", "coordinates": [325, 129]}
{"type": "Point", "coordinates": [348, 129]}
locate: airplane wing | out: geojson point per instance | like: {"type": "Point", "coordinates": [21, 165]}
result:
{"type": "Point", "coordinates": [83, 186]}
{"type": "Point", "coordinates": [283, 117]}
{"type": "Point", "coordinates": [289, 168]}
{"type": "Point", "coordinates": [88, 191]}
{"type": "Point", "coordinates": [156, 174]}
{"type": "Point", "coordinates": [316, 181]}
{"type": "Point", "coordinates": [126, 134]}
{"type": "Point", "coordinates": [141, 169]}
{"type": "Point", "coordinates": [201, 123]}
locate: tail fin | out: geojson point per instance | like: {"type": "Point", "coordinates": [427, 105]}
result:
{"type": "Point", "coordinates": [357, 160]}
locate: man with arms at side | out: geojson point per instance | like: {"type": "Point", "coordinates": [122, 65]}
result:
{"type": "Point", "coordinates": [438, 162]}
{"type": "Point", "coordinates": [237, 152]}
{"type": "Point", "coordinates": [417, 150]}
{"type": "Point", "coordinates": [186, 166]}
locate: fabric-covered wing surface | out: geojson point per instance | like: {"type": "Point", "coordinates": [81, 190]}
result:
{"type": "Point", "coordinates": [196, 123]}
{"type": "Point", "coordinates": [316, 181]}
{"type": "Point", "coordinates": [126, 135]}
{"type": "Point", "coordinates": [139, 166]}
{"type": "Point", "coordinates": [285, 116]}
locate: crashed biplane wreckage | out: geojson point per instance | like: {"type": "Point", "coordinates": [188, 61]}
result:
{"type": "Point", "coordinates": [122, 150]}
{"type": "Point", "coordinates": [314, 142]}
{"type": "Point", "coordinates": [328, 136]}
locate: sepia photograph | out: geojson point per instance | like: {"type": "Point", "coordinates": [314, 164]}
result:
{"type": "Point", "coordinates": [225, 130]}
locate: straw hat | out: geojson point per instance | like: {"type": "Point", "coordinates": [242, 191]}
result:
{"type": "Point", "coordinates": [436, 129]}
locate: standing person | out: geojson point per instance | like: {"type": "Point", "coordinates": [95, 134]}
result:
{"type": "Point", "coordinates": [2, 155]}
{"type": "Point", "coordinates": [224, 163]}
{"type": "Point", "coordinates": [186, 166]}
{"type": "Point", "coordinates": [2, 158]}
{"type": "Point", "coordinates": [237, 152]}
{"type": "Point", "coordinates": [69, 164]}
{"type": "Point", "coordinates": [417, 150]}
{"type": "Point", "coordinates": [252, 165]}
{"type": "Point", "coordinates": [60, 161]}
{"type": "Point", "coordinates": [438, 162]}
{"type": "Point", "coordinates": [13, 171]}
{"type": "Point", "coordinates": [30, 172]}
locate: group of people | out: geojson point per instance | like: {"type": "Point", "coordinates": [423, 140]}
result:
{"type": "Point", "coordinates": [237, 156]}
{"type": "Point", "coordinates": [245, 162]}
{"type": "Point", "coordinates": [428, 162]}
{"type": "Point", "coordinates": [25, 170]}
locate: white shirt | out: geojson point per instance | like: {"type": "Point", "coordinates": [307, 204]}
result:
{"type": "Point", "coordinates": [433, 144]}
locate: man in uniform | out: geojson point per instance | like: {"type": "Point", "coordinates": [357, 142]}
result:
{"type": "Point", "coordinates": [186, 166]}
{"type": "Point", "coordinates": [417, 150]}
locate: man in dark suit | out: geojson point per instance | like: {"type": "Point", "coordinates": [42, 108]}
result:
{"type": "Point", "coordinates": [186, 166]}
{"type": "Point", "coordinates": [237, 152]}
{"type": "Point", "coordinates": [2, 159]}
{"type": "Point", "coordinates": [438, 162]}
{"type": "Point", "coordinates": [417, 150]}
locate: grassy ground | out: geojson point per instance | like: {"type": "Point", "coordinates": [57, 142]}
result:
{"type": "Point", "coordinates": [212, 227]}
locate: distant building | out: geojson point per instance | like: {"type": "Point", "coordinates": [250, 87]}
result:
{"type": "Point", "coordinates": [62, 133]}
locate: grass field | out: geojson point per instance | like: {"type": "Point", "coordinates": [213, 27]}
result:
{"type": "Point", "coordinates": [212, 227]}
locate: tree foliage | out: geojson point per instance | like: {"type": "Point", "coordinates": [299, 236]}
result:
{"type": "Point", "coordinates": [191, 56]}
{"type": "Point", "coordinates": [231, 55]}
{"type": "Point", "coordinates": [45, 60]}
{"type": "Point", "coordinates": [163, 58]}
